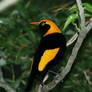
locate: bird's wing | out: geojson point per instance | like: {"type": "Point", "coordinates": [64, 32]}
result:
{"type": "Point", "coordinates": [47, 56]}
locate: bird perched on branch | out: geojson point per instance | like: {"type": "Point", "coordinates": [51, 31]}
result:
{"type": "Point", "coordinates": [50, 50]}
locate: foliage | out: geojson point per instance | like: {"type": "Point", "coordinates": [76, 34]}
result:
{"type": "Point", "coordinates": [19, 40]}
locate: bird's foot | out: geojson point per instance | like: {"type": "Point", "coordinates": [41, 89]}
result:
{"type": "Point", "coordinates": [57, 78]}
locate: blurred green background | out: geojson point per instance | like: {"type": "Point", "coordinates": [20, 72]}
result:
{"type": "Point", "coordinates": [19, 40]}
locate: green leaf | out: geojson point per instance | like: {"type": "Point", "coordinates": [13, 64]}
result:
{"type": "Point", "coordinates": [5, 21]}
{"type": "Point", "coordinates": [58, 9]}
{"type": "Point", "coordinates": [88, 7]}
{"type": "Point", "coordinates": [69, 20]}
{"type": "Point", "coordinates": [2, 62]}
{"type": "Point", "coordinates": [73, 8]}
{"type": "Point", "coordinates": [32, 37]}
{"type": "Point", "coordinates": [17, 83]}
{"type": "Point", "coordinates": [24, 41]}
{"type": "Point", "coordinates": [87, 15]}
{"type": "Point", "coordinates": [72, 18]}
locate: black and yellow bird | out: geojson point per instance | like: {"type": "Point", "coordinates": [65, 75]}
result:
{"type": "Point", "coordinates": [51, 49]}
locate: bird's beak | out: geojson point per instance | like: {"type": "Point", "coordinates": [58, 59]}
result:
{"type": "Point", "coordinates": [35, 23]}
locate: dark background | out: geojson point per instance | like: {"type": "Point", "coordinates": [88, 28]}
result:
{"type": "Point", "coordinates": [19, 40]}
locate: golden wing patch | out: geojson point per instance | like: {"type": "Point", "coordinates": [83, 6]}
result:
{"type": "Point", "coordinates": [47, 56]}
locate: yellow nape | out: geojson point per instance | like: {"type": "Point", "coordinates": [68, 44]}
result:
{"type": "Point", "coordinates": [48, 55]}
{"type": "Point", "coordinates": [53, 27]}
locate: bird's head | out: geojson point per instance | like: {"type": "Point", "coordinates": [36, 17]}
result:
{"type": "Point", "coordinates": [47, 27]}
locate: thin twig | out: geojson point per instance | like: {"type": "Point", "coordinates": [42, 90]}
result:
{"type": "Point", "coordinates": [89, 26]}
{"type": "Point", "coordinates": [88, 21]}
{"type": "Point", "coordinates": [1, 75]}
{"type": "Point", "coordinates": [77, 27]}
{"type": "Point", "coordinates": [6, 87]}
{"type": "Point", "coordinates": [72, 39]}
{"type": "Point", "coordinates": [13, 72]}
{"type": "Point", "coordinates": [87, 77]}
{"type": "Point", "coordinates": [4, 84]}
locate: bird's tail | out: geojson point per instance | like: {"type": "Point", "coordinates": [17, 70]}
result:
{"type": "Point", "coordinates": [29, 83]}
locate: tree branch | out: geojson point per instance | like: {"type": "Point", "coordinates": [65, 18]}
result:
{"type": "Point", "coordinates": [87, 77]}
{"type": "Point", "coordinates": [72, 39]}
{"type": "Point", "coordinates": [4, 84]}
{"type": "Point", "coordinates": [6, 3]}
{"type": "Point", "coordinates": [89, 25]}
{"type": "Point", "coordinates": [82, 34]}
{"type": "Point", "coordinates": [81, 13]}
{"type": "Point", "coordinates": [6, 87]}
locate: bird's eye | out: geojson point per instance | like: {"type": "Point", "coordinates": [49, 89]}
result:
{"type": "Point", "coordinates": [43, 23]}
